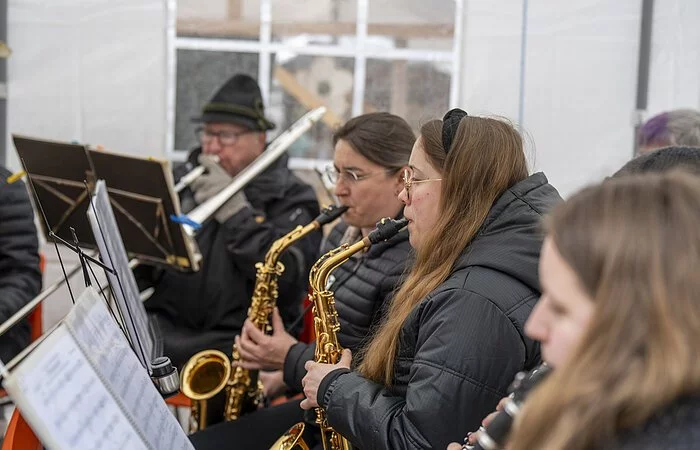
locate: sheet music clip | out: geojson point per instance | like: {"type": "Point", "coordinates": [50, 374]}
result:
{"type": "Point", "coordinates": [165, 376]}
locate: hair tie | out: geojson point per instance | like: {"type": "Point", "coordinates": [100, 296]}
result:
{"type": "Point", "coordinates": [450, 123]}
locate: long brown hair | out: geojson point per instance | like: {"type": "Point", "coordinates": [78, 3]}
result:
{"type": "Point", "coordinates": [634, 243]}
{"type": "Point", "coordinates": [485, 159]}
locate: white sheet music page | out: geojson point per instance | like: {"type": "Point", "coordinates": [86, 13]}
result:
{"type": "Point", "coordinates": [103, 342]}
{"type": "Point", "coordinates": [65, 402]}
{"type": "Point", "coordinates": [112, 251]}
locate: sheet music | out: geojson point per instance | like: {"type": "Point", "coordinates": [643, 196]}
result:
{"type": "Point", "coordinates": [113, 253]}
{"type": "Point", "coordinates": [65, 402]}
{"type": "Point", "coordinates": [106, 347]}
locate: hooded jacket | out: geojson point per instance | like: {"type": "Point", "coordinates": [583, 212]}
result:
{"type": "Point", "coordinates": [207, 309]}
{"type": "Point", "coordinates": [461, 346]}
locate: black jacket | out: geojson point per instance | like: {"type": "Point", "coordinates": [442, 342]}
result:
{"type": "Point", "coordinates": [362, 287]}
{"type": "Point", "coordinates": [677, 427]}
{"type": "Point", "coordinates": [207, 309]}
{"type": "Point", "coordinates": [20, 276]}
{"type": "Point", "coordinates": [459, 348]}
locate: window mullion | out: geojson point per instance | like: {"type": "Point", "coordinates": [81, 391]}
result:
{"type": "Point", "coordinates": [264, 57]}
{"type": "Point", "coordinates": [457, 53]}
{"type": "Point", "coordinates": [171, 76]}
{"type": "Point", "coordinates": [358, 92]}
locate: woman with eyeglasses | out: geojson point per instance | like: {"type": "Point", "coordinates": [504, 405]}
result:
{"type": "Point", "coordinates": [453, 337]}
{"type": "Point", "coordinates": [371, 153]}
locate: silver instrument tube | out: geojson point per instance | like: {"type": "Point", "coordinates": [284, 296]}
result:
{"type": "Point", "coordinates": [29, 307]}
{"type": "Point", "coordinates": [188, 178]}
{"type": "Point", "coordinates": [280, 145]}
{"type": "Point", "coordinates": [192, 175]}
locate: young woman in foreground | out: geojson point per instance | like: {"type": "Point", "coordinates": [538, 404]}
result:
{"type": "Point", "coordinates": [619, 319]}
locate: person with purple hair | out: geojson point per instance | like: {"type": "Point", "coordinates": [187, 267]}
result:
{"type": "Point", "coordinates": [679, 127]}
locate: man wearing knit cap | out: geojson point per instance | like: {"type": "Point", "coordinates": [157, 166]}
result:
{"type": "Point", "coordinates": [206, 309]}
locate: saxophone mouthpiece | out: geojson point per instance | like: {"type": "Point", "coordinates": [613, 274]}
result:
{"type": "Point", "coordinates": [386, 229]}
{"type": "Point", "coordinates": [330, 213]}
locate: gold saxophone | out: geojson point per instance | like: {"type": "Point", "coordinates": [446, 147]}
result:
{"type": "Point", "coordinates": [328, 349]}
{"type": "Point", "coordinates": [209, 372]}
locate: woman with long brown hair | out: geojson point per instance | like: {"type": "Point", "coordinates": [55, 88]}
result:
{"type": "Point", "coordinates": [619, 319]}
{"type": "Point", "coordinates": [453, 336]}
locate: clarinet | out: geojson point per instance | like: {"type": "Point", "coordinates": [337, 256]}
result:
{"type": "Point", "coordinates": [494, 435]}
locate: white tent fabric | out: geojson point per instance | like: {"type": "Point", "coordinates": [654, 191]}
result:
{"type": "Point", "coordinates": [96, 71]}
{"type": "Point", "coordinates": [88, 70]}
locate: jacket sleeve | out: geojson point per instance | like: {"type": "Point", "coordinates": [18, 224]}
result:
{"type": "Point", "coordinates": [294, 369]}
{"type": "Point", "coordinates": [20, 276]}
{"type": "Point", "coordinates": [466, 353]}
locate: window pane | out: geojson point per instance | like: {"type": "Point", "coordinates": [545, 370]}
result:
{"type": "Point", "coordinates": [232, 19]}
{"type": "Point", "coordinates": [301, 83]}
{"type": "Point", "coordinates": [413, 25]}
{"type": "Point", "coordinates": [310, 22]}
{"type": "Point", "coordinates": [416, 91]}
{"type": "Point", "coordinates": [199, 75]}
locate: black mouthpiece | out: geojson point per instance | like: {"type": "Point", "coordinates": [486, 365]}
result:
{"type": "Point", "coordinates": [386, 229]}
{"type": "Point", "coordinates": [330, 213]}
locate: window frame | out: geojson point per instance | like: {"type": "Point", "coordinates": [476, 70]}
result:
{"type": "Point", "coordinates": [264, 48]}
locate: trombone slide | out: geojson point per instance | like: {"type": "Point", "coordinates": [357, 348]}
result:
{"type": "Point", "coordinates": [279, 146]}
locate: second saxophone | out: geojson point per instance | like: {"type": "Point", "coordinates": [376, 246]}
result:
{"type": "Point", "coordinates": [326, 326]}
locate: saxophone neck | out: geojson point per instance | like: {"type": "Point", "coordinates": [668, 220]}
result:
{"type": "Point", "coordinates": [286, 241]}
{"type": "Point", "coordinates": [386, 229]}
{"type": "Point", "coordinates": [328, 215]}
{"type": "Point", "coordinates": [318, 277]}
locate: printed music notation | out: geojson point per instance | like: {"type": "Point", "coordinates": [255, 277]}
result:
{"type": "Point", "coordinates": [96, 333]}
{"type": "Point", "coordinates": [83, 387]}
{"type": "Point", "coordinates": [65, 402]}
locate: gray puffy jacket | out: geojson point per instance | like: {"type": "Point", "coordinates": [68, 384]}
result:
{"type": "Point", "coordinates": [362, 288]}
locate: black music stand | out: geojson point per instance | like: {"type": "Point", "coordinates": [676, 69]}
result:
{"type": "Point", "coordinates": [140, 192]}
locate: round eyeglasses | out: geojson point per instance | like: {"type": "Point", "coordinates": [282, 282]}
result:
{"type": "Point", "coordinates": [408, 181]}
{"type": "Point", "coordinates": [225, 137]}
{"type": "Point", "coordinates": [351, 176]}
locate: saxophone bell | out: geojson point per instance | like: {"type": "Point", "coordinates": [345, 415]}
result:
{"type": "Point", "coordinates": [291, 439]}
{"type": "Point", "coordinates": [203, 377]}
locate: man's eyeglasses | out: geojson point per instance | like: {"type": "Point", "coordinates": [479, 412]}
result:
{"type": "Point", "coordinates": [225, 137]}
{"type": "Point", "coordinates": [351, 176]}
{"type": "Point", "coordinates": [408, 181]}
